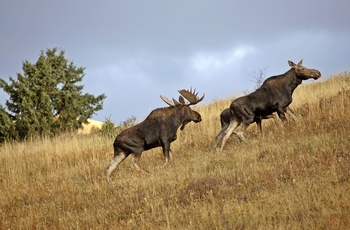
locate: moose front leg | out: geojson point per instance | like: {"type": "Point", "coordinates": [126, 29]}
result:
{"type": "Point", "coordinates": [166, 152]}
{"type": "Point", "coordinates": [281, 114]}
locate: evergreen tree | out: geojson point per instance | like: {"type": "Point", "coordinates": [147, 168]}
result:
{"type": "Point", "coordinates": [109, 129]}
{"type": "Point", "coordinates": [46, 99]}
{"type": "Point", "coordinates": [7, 127]}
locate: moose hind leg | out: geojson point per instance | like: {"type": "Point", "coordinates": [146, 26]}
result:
{"type": "Point", "coordinates": [258, 123]}
{"type": "Point", "coordinates": [233, 125]}
{"type": "Point", "coordinates": [119, 156]}
{"type": "Point", "coordinates": [239, 131]}
{"type": "Point", "coordinates": [135, 162]}
{"type": "Point", "coordinates": [220, 135]}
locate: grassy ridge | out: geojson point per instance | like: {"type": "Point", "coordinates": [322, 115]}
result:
{"type": "Point", "coordinates": [294, 176]}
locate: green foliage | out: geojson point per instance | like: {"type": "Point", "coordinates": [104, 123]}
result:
{"type": "Point", "coordinates": [7, 127]}
{"type": "Point", "coordinates": [109, 129]}
{"type": "Point", "coordinates": [46, 99]}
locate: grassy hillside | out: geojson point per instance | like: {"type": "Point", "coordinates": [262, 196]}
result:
{"type": "Point", "coordinates": [294, 176]}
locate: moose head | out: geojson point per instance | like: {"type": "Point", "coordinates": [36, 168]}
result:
{"type": "Point", "coordinates": [304, 73]}
{"type": "Point", "coordinates": [192, 98]}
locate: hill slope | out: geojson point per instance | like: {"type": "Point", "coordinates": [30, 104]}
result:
{"type": "Point", "coordinates": [294, 176]}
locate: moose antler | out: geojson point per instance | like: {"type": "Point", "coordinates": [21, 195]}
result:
{"type": "Point", "coordinates": [191, 96]}
{"type": "Point", "coordinates": [182, 100]}
{"type": "Point", "coordinates": [166, 100]}
{"type": "Point", "coordinates": [176, 102]}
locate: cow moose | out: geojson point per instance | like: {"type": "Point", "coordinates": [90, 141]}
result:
{"type": "Point", "coordinates": [274, 95]}
{"type": "Point", "coordinates": [158, 129]}
{"type": "Point", "coordinates": [225, 118]}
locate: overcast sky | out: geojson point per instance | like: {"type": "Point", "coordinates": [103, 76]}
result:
{"type": "Point", "coordinates": [136, 50]}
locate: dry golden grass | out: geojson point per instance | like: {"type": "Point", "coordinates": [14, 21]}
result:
{"type": "Point", "coordinates": [295, 176]}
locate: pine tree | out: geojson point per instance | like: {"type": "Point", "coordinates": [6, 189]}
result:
{"type": "Point", "coordinates": [46, 99]}
{"type": "Point", "coordinates": [7, 127]}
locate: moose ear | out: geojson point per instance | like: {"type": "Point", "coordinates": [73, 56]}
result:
{"type": "Point", "coordinates": [291, 64]}
{"type": "Point", "coordinates": [300, 63]}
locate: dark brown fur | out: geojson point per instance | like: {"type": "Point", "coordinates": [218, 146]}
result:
{"type": "Point", "coordinates": [275, 95]}
{"type": "Point", "coordinates": [157, 130]}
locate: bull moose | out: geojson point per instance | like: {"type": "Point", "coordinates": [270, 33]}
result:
{"type": "Point", "coordinates": [274, 95]}
{"type": "Point", "coordinates": [158, 129]}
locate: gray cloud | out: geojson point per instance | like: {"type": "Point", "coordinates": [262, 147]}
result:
{"type": "Point", "coordinates": [134, 51]}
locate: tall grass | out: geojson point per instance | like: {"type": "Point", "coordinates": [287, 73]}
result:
{"type": "Point", "coordinates": [296, 175]}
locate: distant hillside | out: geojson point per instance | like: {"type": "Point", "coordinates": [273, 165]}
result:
{"type": "Point", "coordinates": [93, 126]}
{"type": "Point", "coordinates": [294, 176]}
